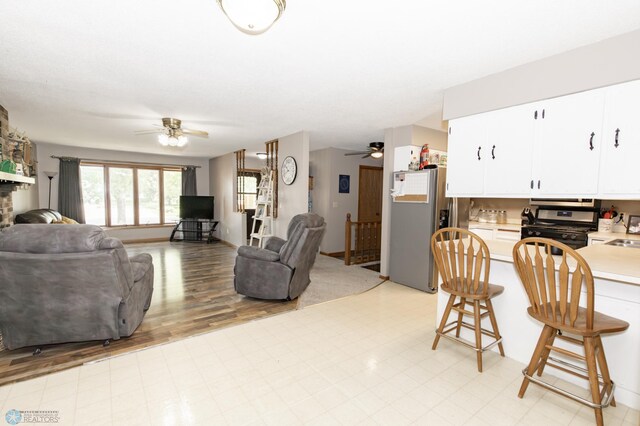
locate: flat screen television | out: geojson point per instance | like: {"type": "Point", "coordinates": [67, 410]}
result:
{"type": "Point", "coordinates": [196, 207]}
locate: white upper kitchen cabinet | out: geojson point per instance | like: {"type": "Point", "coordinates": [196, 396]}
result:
{"type": "Point", "coordinates": [508, 157]}
{"type": "Point", "coordinates": [568, 144]}
{"type": "Point", "coordinates": [619, 170]}
{"type": "Point", "coordinates": [467, 147]}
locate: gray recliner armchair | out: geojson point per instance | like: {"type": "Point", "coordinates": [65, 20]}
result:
{"type": "Point", "coordinates": [280, 270]}
{"type": "Point", "coordinates": [69, 283]}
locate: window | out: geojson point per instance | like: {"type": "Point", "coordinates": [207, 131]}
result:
{"type": "Point", "coordinates": [120, 195]}
{"type": "Point", "coordinates": [248, 181]}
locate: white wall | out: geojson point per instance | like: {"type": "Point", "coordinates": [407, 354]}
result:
{"type": "Point", "coordinates": [326, 165]}
{"type": "Point", "coordinates": [292, 199]}
{"type": "Point", "coordinates": [222, 181]}
{"type": "Point", "coordinates": [27, 199]}
{"type": "Point", "coordinates": [611, 61]}
{"type": "Point", "coordinates": [401, 136]}
{"type": "Point", "coordinates": [46, 163]}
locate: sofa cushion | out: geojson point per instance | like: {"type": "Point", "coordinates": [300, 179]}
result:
{"type": "Point", "coordinates": [51, 239]}
{"type": "Point", "coordinates": [39, 216]}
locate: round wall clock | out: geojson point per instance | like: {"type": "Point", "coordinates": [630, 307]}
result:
{"type": "Point", "coordinates": [289, 170]}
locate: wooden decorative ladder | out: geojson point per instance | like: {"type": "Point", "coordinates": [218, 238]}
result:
{"type": "Point", "coordinates": [263, 218]}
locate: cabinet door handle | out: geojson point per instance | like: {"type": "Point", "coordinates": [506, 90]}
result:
{"type": "Point", "coordinates": [591, 141]}
{"type": "Point", "coordinates": [493, 157]}
{"type": "Point", "coordinates": [542, 113]}
{"type": "Point", "coordinates": [617, 133]}
{"type": "Point", "coordinates": [538, 184]}
{"type": "Point", "coordinates": [535, 115]}
{"type": "Point", "coordinates": [479, 148]}
{"type": "Point", "coordinates": [531, 183]}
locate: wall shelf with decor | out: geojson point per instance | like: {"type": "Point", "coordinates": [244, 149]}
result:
{"type": "Point", "coordinates": [12, 182]}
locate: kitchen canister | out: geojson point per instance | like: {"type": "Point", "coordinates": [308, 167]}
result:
{"type": "Point", "coordinates": [605, 225]}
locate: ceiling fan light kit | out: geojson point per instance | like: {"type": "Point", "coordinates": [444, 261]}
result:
{"type": "Point", "coordinates": [172, 140]}
{"type": "Point", "coordinates": [172, 134]}
{"type": "Point", "coordinates": [374, 150]}
{"type": "Point", "coordinates": [253, 17]}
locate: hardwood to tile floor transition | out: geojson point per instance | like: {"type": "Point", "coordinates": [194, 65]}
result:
{"type": "Point", "coordinates": [193, 293]}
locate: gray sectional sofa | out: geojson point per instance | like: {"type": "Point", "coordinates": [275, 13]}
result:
{"type": "Point", "coordinates": [69, 283]}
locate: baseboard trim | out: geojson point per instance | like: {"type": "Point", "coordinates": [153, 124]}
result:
{"type": "Point", "coordinates": [383, 277]}
{"type": "Point", "coordinates": [146, 240]}
{"type": "Point", "coordinates": [227, 243]}
{"type": "Point", "coordinates": [333, 254]}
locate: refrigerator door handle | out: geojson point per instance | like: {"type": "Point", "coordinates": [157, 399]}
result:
{"type": "Point", "coordinates": [453, 212]}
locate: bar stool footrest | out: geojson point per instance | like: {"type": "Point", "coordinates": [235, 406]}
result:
{"type": "Point", "coordinates": [454, 324]}
{"type": "Point", "coordinates": [607, 396]}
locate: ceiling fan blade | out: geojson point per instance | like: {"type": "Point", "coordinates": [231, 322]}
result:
{"type": "Point", "coordinates": [357, 153]}
{"type": "Point", "coordinates": [200, 133]}
{"type": "Point", "coordinates": [147, 132]}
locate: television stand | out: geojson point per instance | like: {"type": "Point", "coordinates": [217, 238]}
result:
{"type": "Point", "coordinates": [194, 230]}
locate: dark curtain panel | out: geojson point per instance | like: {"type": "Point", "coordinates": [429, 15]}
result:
{"type": "Point", "coordinates": [189, 188]}
{"type": "Point", "coordinates": [69, 191]}
{"type": "Point", "coordinates": [189, 181]}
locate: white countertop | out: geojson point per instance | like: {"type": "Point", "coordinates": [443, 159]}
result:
{"type": "Point", "coordinates": [608, 236]}
{"type": "Point", "coordinates": [606, 262]}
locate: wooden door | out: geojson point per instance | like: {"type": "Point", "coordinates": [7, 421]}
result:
{"type": "Point", "coordinates": [370, 194]}
{"type": "Point", "coordinates": [368, 229]}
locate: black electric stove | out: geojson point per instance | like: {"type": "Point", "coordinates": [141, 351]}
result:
{"type": "Point", "coordinates": [569, 226]}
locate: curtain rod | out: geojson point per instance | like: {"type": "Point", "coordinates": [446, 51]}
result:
{"type": "Point", "coordinates": [128, 162]}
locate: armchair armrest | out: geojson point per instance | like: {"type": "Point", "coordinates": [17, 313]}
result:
{"type": "Point", "coordinates": [258, 253]}
{"type": "Point", "coordinates": [140, 264]}
{"type": "Point", "coordinates": [274, 244]}
{"type": "Point", "coordinates": [141, 258]}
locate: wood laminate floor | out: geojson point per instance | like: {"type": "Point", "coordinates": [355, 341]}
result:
{"type": "Point", "coordinates": [193, 293]}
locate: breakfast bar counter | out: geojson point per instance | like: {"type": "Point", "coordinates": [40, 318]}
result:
{"type": "Point", "coordinates": [616, 272]}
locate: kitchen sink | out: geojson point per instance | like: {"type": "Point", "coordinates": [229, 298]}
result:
{"type": "Point", "coordinates": [624, 243]}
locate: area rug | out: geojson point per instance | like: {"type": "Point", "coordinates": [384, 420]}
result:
{"type": "Point", "coordinates": [332, 279]}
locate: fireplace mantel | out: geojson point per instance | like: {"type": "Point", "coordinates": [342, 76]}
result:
{"type": "Point", "coordinates": [10, 179]}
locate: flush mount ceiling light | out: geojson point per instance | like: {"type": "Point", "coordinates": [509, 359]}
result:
{"type": "Point", "coordinates": [261, 155]}
{"type": "Point", "coordinates": [253, 17]}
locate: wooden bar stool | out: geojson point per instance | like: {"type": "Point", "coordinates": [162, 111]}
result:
{"type": "Point", "coordinates": [462, 259]}
{"type": "Point", "coordinates": [554, 291]}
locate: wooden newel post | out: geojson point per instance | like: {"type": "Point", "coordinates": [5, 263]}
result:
{"type": "Point", "coordinates": [347, 240]}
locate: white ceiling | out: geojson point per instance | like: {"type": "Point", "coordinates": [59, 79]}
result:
{"type": "Point", "coordinates": [89, 73]}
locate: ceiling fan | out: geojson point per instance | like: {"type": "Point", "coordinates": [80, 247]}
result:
{"type": "Point", "coordinates": [172, 134]}
{"type": "Point", "coordinates": [375, 150]}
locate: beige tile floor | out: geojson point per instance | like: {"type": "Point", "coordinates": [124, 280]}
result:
{"type": "Point", "coordinates": [362, 360]}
